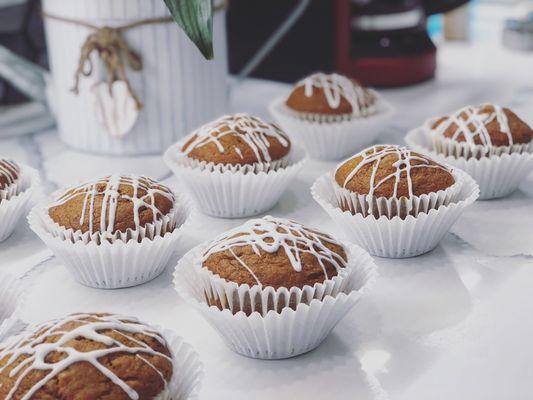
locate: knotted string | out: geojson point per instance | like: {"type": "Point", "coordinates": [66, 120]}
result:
{"type": "Point", "coordinates": [112, 49]}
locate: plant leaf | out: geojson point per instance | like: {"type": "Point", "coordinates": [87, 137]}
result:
{"type": "Point", "coordinates": [196, 18]}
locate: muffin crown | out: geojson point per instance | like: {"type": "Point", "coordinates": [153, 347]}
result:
{"type": "Point", "coordinates": [393, 172]}
{"type": "Point", "coordinates": [83, 347]}
{"type": "Point", "coordinates": [9, 173]}
{"type": "Point", "coordinates": [237, 139]}
{"type": "Point", "coordinates": [486, 125]}
{"type": "Point", "coordinates": [340, 93]}
{"type": "Point", "coordinates": [263, 248]}
{"type": "Point", "coordinates": [113, 203]}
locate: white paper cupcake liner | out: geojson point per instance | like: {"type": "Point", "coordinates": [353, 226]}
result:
{"type": "Point", "coordinates": [113, 262]}
{"type": "Point", "coordinates": [187, 373]}
{"type": "Point", "coordinates": [381, 206]}
{"type": "Point", "coordinates": [497, 175]}
{"type": "Point", "coordinates": [12, 297]}
{"type": "Point", "coordinates": [395, 237]}
{"type": "Point", "coordinates": [332, 140]}
{"type": "Point", "coordinates": [279, 323]}
{"type": "Point", "coordinates": [232, 191]}
{"type": "Point", "coordinates": [16, 203]}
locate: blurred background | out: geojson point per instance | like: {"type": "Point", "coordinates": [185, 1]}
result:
{"type": "Point", "coordinates": [381, 42]}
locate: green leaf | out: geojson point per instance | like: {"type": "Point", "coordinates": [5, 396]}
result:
{"type": "Point", "coordinates": [196, 18]}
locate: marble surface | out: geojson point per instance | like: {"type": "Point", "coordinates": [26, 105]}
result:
{"type": "Point", "coordinates": [454, 323]}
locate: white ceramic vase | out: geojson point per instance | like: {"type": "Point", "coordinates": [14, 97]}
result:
{"type": "Point", "coordinates": [178, 88]}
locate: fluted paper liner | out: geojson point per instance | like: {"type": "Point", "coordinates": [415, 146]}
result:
{"type": "Point", "coordinates": [228, 191]}
{"type": "Point", "coordinates": [187, 373]}
{"type": "Point", "coordinates": [12, 297]}
{"type": "Point", "coordinates": [395, 237]}
{"type": "Point", "coordinates": [497, 175]}
{"type": "Point", "coordinates": [332, 139]}
{"type": "Point", "coordinates": [119, 260]}
{"type": "Point", "coordinates": [15, 201]}
{"type": "Point", "coordinates": [273, 324]}
{"type": "Point", "coordinates": [391, 207]}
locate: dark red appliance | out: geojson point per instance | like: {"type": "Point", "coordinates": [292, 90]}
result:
{"type": "Point", "coordinates": [385, 42]}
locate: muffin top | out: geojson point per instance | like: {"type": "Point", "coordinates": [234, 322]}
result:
{"type": "Point", "coordinates": [86, 356]}
{"type": "Point", "coordinates": [393, 172]}
{"type": "Point", "coordinates": [238, 139]}
{"type": "Point", "coordinates": [112, 204]}
{"type": "Point", "coordinates": [331, 94]}
{"type": "Point", "coordinates": [274, 252]}
{"type": "Point", "coordinates": [9, 173]}
{"type": "Point", "coordinates": [486, 125]}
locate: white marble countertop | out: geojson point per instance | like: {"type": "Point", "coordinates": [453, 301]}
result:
{"type": "Point", "coordinates": [453, 324]}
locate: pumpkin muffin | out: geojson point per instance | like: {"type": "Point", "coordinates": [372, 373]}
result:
{"type": "Point", "coordinates": [275, 252]}
{"type": "Point", "coordinates": [86, 356]}
{"type": "Point", "coordinates": [112, 204]}
{"type": "Point", "coordinates": [331, 94]}
{"type": "Point", "coordinates": [392, 172]}
{"type": "Point", "coordinates": [9, 173]}
{"type": "Point", "coordinates": [487, 125]}
{"type": "Point", "coordinates": [239, 139]}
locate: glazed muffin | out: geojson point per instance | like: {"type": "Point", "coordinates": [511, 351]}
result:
{"type": "Point", "coordinates": [239, 139]}
{"type": "Point", "coordinates": [9, 176]}
{"type": "Point", "coordinates": [116, 203]}
{"type": "Point", "coordinates": [487, 126]}
{"type": "Point", "coordinates": [87, 356]}
{"type": "Point", "coordinates": [388, 172]}
{"type": "Point", "coordinates": [331, 95]}
{"type": "Point", "coordinates": [275, 252]}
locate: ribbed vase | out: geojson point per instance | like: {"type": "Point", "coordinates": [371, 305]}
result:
{"type": "Point", "coordinates": [178, 88]}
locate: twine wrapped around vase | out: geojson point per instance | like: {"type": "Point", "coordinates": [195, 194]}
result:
{"type": "Point", "coordinates": [113, 50]}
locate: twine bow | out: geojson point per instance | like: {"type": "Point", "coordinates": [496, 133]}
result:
{"type": "Point", "coordinates": [113, 51]}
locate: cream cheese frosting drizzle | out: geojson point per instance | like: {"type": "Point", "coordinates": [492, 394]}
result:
{"type": "Point", "coordinates": [403, 166]}
{"type": "Point", "coordinates": [252, 130]}
{"type": "Point", "coordinates": [336, 87]}
{"type": "Point", "coordinates": [9, 170]}
{"type": "Point", "coordinates": [32, 345]}
{"type": "Point", "coordinates": [471, 123]}
{"type": "Point", "coordinates": [144, 191]}
{"type": "Point", "coordinates": [270, 234]}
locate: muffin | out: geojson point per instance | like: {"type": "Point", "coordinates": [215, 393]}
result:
{"type": "Point", "coordinates": [489, 142]}
{"type": "Point", "coordinates": [394, 202]}
{"type": "Point", "coordinates": [89, 356]}
{"type": "Point", "coordinates": [331, 115]}
{"type": "Point", "coordinates": [116, 231]}
{"type": "Point", "coordinates": [238, 139]}
{"type": "Point", "coordinates": [18, 185]}
{"type": "Point", "coordinates": [331, 95]}
{"type": "Point", "coordinates": [117, 203]}
{"type": "Point", "coordinates": [275, 252]}
{"type": "Point", "coordinates": [385, 172]}
{"type": "Point", "coordinates": [9, 174]}
{"type": "Point", "coordinates": [272, 287]}
{"type": "Point", "coordinates": [478, 131]}
{"type": "Point", "coordinates": [236, 166]}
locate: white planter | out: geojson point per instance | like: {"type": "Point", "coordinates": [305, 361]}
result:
{"type": "Point", "coordinates": [179, 89]}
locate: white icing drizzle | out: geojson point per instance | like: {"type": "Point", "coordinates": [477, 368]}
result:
{"type": "Point", "coordinates": [8, 169]}
{"type": "Point", "coordinates": [404, 165]}
{"type": "Point", "coordinates": [269, 234]}
{"type": "Point", "coordinates": [111, 197]}
{"type": "Point", "coordinates": [32, 344]}
{"type": "Point", "coordinates": [252, 130]}
{"type": "Point", "coordinates": [471, 122]}
{"type": "Point", "coordinates": [335, 88]}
